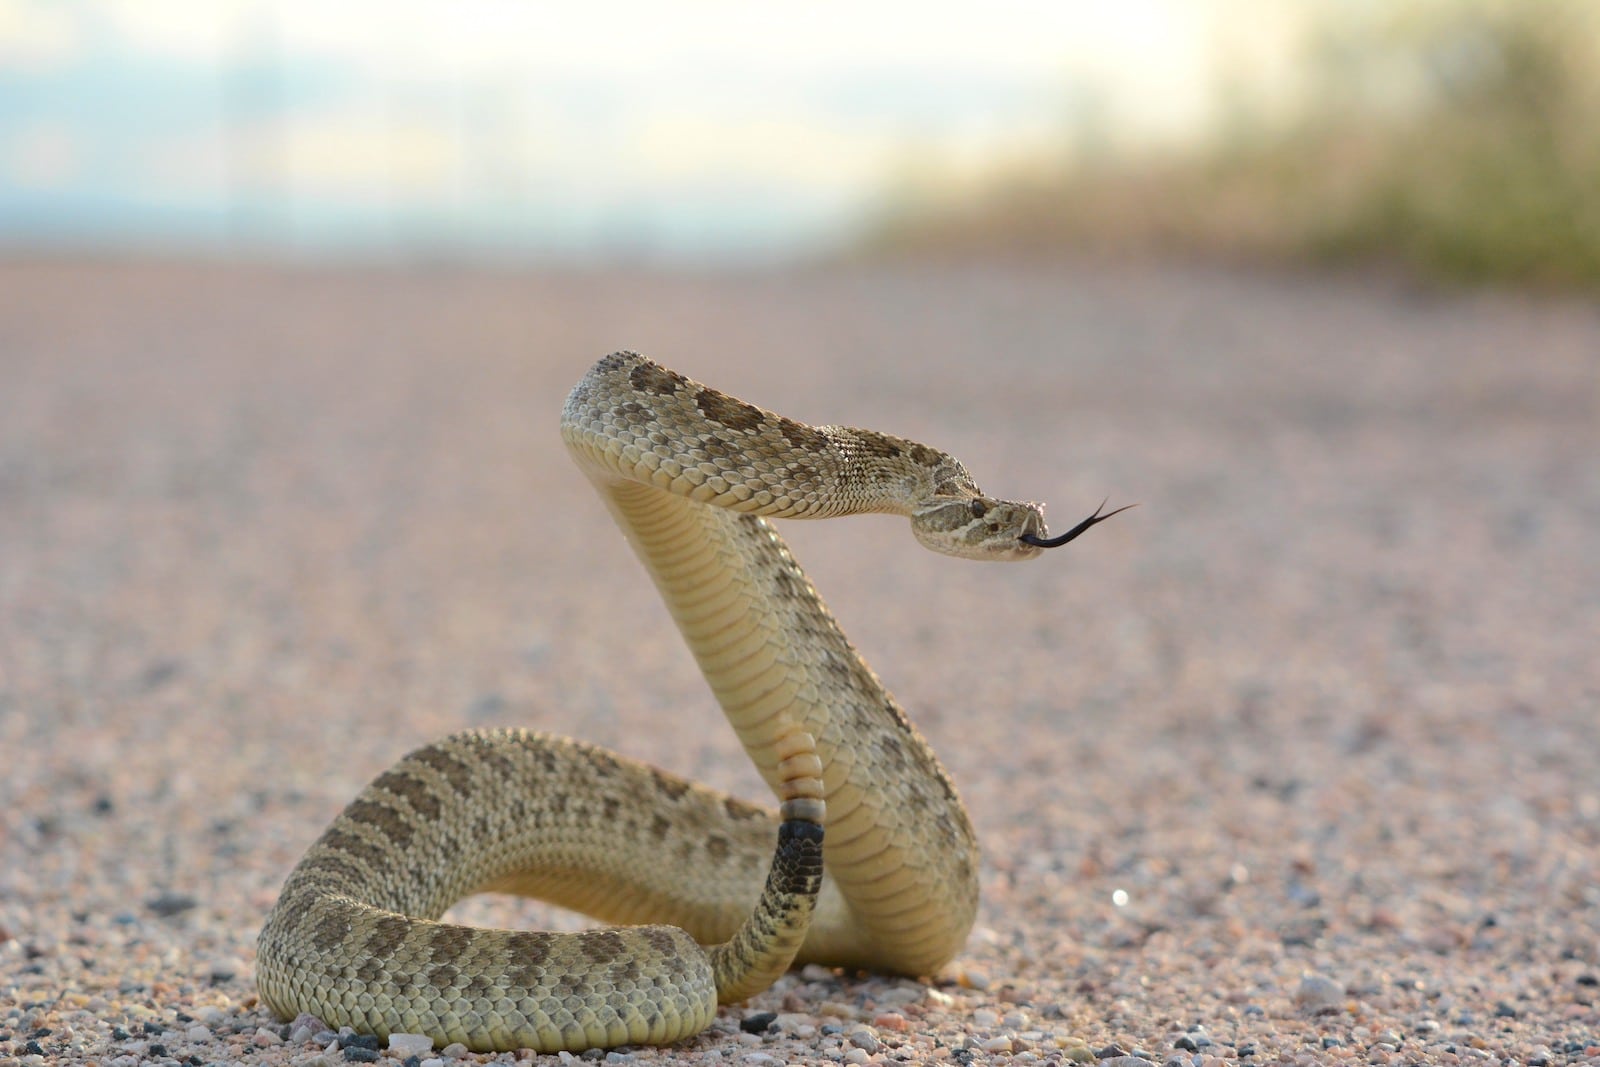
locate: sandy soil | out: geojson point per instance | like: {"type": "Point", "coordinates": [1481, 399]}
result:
{"type": "Point", "coordinates": [1297, 762]}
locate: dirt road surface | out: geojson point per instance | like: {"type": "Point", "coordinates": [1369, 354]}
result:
{"type": "Point", "coordinates": [1298, 761]}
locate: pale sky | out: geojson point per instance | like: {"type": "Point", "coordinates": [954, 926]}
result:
{"type": "Point", "coordinates": [695, 127]}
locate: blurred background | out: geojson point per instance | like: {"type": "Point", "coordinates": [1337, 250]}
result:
{"type": "Point", "coordinates": [1456, 136]}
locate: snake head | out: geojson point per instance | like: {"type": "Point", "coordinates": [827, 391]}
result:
{"type": "Point", "coordinates": [978, 527]}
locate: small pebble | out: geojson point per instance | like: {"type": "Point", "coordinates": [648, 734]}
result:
{"type": "Point", "coordinates": [198, 1034]}
{"type": "Point", "coordinates": [404, 1045]}
{"type": "Point", "coordinates": [900, 996]}
{"type": "Point", "coordinates": [985, 1018]}
{"type": "Point", "coordinates": [996, 1044]}
{"type": "Point", "coordinates": [168, 903]}
{"type": "Point", "coordinates": [265, 1038]}
{"type": "Point", "coordinates": [1318, 994]}
{"type": "Point", "coordinates": [856, 1056]}
{"type": "Point", "coordinates": [758, 1023]}
{"type": "Point", "coordinates": [360, 1054]}
{"type": "Point", "coordinates": [453, 1051]}
{"type": "Point", "coordinates": [864, 1039]}
{"type": "Point", "coordinates": [890, 1020]}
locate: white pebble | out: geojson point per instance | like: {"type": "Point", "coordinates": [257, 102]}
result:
{"type": "Point", "coordinates": [1317, 993]}
{"type": "Point", "coordinates": [900, 996]}
{"type": "Point", "coordinates": [985, 1017]}
{"type": "Point", "coordinates": [404, 1045]}
{"type": "Point", "coordinates": [266, 1038]}
{"type": "Point", "coordinates": [997, 1044]}
{"type": "Point", "coordinates": [308, 1021]}
{"type": "Point", "coordinates": [434, 1061]}
{"type": "Point", "coordinates": [857, 1056]}
{"type": "Point", "coordinates": [198, 1034]}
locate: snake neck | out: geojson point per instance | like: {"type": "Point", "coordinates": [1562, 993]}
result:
{"type": "Point", "coordinates": [904, 861]}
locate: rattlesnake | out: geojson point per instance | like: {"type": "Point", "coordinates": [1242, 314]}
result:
{"type": "Point", "coordinates": [691, 475]}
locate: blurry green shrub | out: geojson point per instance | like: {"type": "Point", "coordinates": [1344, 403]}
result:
{"type": "Point", "coordinates": [1460, 138]}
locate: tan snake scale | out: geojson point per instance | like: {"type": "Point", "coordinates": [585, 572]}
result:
{"type": "Point", "coordinates": [691, 475]}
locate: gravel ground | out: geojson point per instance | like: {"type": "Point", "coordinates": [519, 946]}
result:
{"type": "Point", "coordinates": [1298, 762]}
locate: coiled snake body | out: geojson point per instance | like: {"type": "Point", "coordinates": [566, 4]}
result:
{"type": "Point", "coordinates": [691, 475]}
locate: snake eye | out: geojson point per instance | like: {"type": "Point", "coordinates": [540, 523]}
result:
{"type": "Point", "coordinates": [978, 509]}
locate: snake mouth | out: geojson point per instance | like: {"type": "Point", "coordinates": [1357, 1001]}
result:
{"type": "Point", "coordinates": [1033, 527]}
{"type": "Point", "coordinates": [1028, 537]}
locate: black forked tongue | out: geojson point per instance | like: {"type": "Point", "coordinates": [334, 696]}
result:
{"type": "Point", "coordinates": [1057, 542]}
